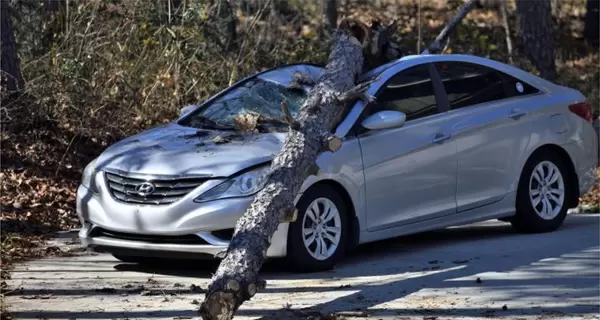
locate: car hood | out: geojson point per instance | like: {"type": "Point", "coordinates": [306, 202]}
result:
{"type": "Point", "coordinates": [176, 150]}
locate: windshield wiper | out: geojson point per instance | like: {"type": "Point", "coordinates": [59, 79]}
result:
{"type": "Point", "coordinates": [271, 123]}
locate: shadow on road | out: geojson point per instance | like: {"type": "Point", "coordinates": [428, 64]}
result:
{"type": "Point", "coordinates": [420, 275]}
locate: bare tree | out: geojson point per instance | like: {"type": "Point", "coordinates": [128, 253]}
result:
{"type": "Point", "coordinates": [509, 46]}
{"type": "Point", "coordinates": [11, 71]}
{"type": "Point", "coordinates": [536, 30]}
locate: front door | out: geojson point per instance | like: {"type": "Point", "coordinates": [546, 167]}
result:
{"type": "Point", "coordinates": [410, 171]}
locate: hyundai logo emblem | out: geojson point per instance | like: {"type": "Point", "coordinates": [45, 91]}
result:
{"type": "Point", "coordinates": [145, 189]}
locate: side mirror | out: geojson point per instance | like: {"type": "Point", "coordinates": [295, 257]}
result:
{"type": "Point", "coordinates": [185, 110]}
{"type": "Point", "coordinates": [384, 120]}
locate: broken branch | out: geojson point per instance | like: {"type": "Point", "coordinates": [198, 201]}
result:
{"type": "Point", "coordinates": [436, 45]}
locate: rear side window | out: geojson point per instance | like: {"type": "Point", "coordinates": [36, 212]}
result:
{"type": "Point", "coordinates": [516, 87]}
{"type": "Point", "coordinates": [468, 84]}
{"type": "Point", "coordinates": [410, 91]}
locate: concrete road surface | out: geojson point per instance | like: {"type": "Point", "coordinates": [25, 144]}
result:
{"type": "Point", "coordinates": [427, 276]}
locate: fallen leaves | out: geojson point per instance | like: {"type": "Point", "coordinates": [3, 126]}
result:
{"type": "Point", "coordinates": [246, 122]}
{"type": "Point", "coordinates": [40, 175]}
{"type": "Point", "coordinates": [592, 197]}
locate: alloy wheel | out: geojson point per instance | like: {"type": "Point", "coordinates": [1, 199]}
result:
{"type": "Point", "coordinates": [547, 190]}
{"type": "Point", "coordinates": [321, 228]}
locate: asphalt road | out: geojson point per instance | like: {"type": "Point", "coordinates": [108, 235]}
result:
{"type": "Point", "coordinates": [427, 276]}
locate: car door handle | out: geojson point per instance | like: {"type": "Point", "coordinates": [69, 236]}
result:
{"type": "Point", "coordinates": [517, 113]}
{"type": "Point", "coordinates": [441, 137]}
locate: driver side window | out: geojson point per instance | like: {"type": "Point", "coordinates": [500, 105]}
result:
{"type": "Point", "coordinates": [411, 92]}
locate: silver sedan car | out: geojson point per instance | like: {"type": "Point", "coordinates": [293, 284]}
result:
{"type": "Point", "coordinates": [450, 140]}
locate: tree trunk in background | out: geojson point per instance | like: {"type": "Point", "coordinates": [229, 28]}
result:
{"type": "Point", "coordinates": [237, 278]}
{"type": "Point", "coordinates": [537, 32]}
{"type": "Point", "coordinates": [509, 46]}
{"type": "Point", "coordinates": [591, 32]}
{"type": "Point", "coordinates": [11, 71]}
{"type": "Point", "coordinates": [221, 24]}
{"type": "Point", "coordinates": [555, 8]}
{"type": "Point", "coordinates": [329, 15]}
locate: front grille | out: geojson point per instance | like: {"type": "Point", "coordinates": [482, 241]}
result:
{"type": "Point", "coordinates": [187, 239]}
{"type": "Point", "coordinates": [165, 191]}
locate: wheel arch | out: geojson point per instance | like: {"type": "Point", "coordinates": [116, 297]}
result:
{"type": "Point", "coordinates": [573, 196]}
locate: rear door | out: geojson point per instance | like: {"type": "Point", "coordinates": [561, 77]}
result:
{"type": "Point", "coordinates": [492, 130]}
{"type": "Point", "coordinates": [410, 171]}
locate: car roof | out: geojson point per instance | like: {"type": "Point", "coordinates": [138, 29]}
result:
{"type": "Point", "coordinates": [425, 58]}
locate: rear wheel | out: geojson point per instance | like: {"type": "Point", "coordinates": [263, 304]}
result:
{"type": "Point", "coordinates": [317, 239]}
{"type": "Point", "coordinates": [542, 195]}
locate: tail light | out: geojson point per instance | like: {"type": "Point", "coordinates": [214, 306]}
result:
{"type": "Point", "coordinates": [582, 109]}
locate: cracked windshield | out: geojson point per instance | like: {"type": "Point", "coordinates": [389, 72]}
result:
{"type": "Point", "coordinates": [257, 98]}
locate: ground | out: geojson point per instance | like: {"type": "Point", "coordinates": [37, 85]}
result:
{"type": "Point", "coordinates": [479, 271]}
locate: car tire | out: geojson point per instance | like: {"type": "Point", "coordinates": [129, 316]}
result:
{"type": "Point", "coordinates": [542, 194]}
{"type": "Point", "coordinates": [310, 258]}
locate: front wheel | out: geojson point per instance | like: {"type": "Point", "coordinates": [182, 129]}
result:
{"type": "Point", "coordinates": [317, 239]}
{"type": "Point", "coordinates": [542, 195]}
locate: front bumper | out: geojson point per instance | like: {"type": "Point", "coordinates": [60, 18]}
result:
{"type": "Point", "coordinates": [184, 228]}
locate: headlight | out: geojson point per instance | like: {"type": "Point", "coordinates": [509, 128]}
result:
{"type": "Point", "coordinates": [88, 173]}
{"type": "Point", "coordinates": [245, 184]}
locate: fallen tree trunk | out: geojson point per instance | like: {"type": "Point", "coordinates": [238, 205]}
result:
{"type": "Point", "coordinates": [236, 279]}
{"type": "Point", "coordinates": [356, 49]}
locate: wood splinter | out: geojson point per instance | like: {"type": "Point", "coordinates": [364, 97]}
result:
{"type": "Point", "coordinates": [358, 92]}
{"type": "Point", "coordinates": [301, 79]}
{"type": "Point", "coordinates": [334, 143]}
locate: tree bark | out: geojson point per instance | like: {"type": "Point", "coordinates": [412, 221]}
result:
{"type": "Point", "coordinates": [591, 28]}
{"type": "Point", "coordinates": [536, 29]}
{"type": "Point", "coordinates": [11, 71]}
{"type": "Point", "coordinates": [329, 15]}
{"type": "Point", "coordinates": [236, 279]}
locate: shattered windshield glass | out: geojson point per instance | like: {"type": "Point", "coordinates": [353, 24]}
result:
{"type": "Point", "coordinates": [257, 97]}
